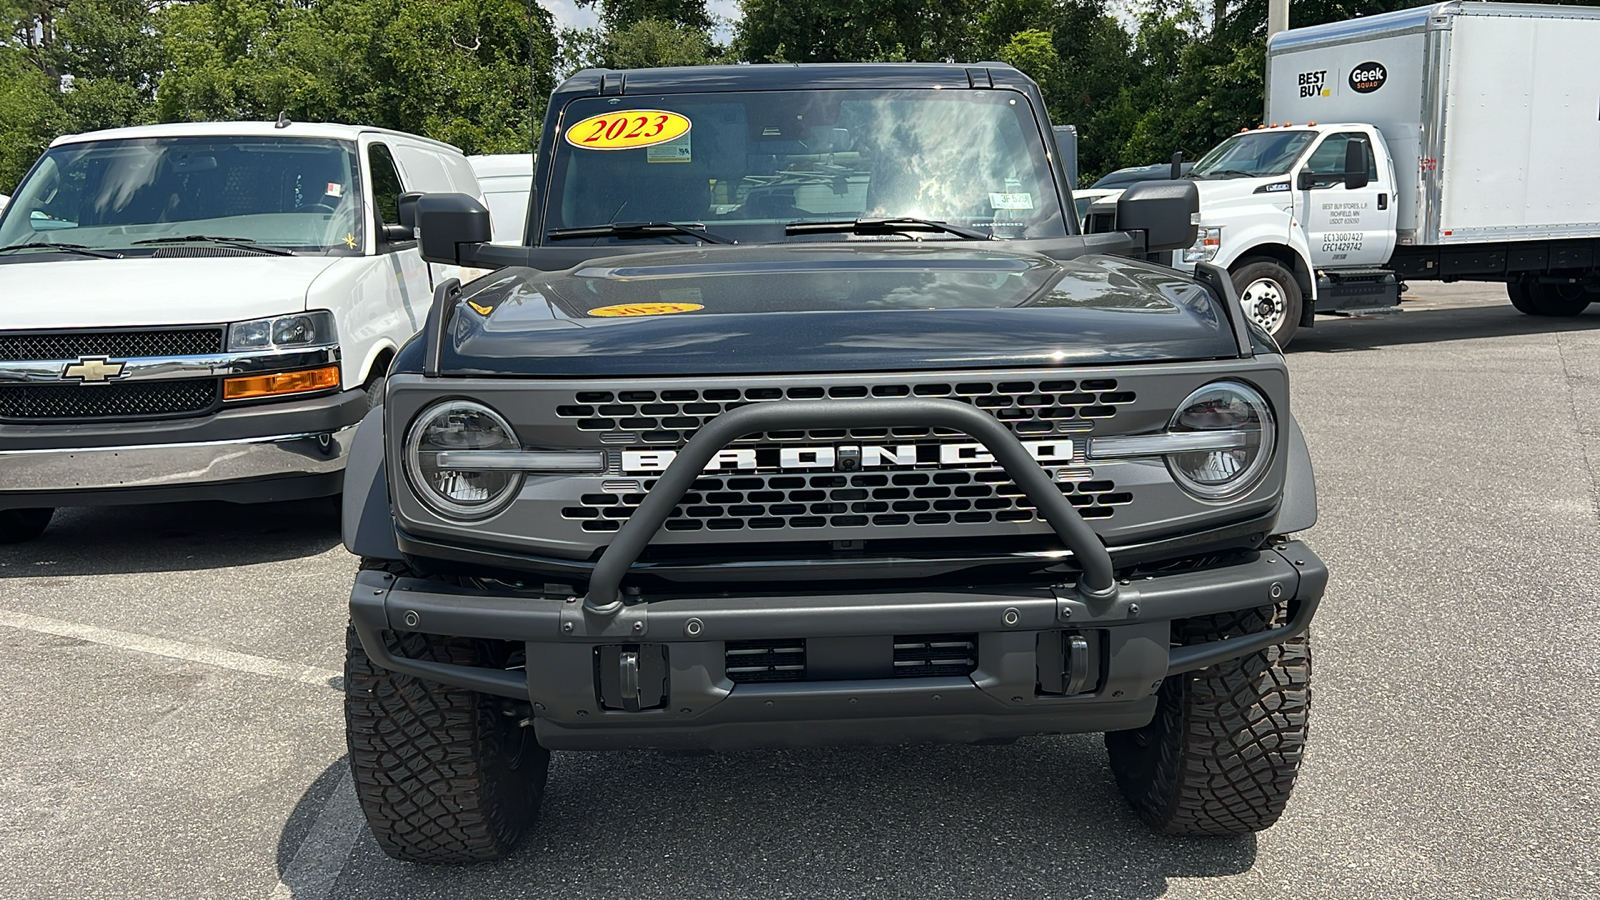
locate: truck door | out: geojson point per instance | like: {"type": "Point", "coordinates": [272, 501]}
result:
{"type": "Point", "coordinates": [1345, 228]}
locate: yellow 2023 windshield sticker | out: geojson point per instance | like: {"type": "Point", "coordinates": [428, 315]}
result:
{"type": "Point", "coordinates": [627, 129]}
{"type": "Point", "coordinates": [645, 309]}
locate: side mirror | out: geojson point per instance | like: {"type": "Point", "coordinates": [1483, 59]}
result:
{"type": "Point", "coordinates": [1307, 181]}
{"type": "Point", "coordinates": [445, 222]}
{"type": "Point", "coordinates": [1177, 166]}
{"type": "Point", "coordinates": [407, 204]}
{"type": "Point", "coordinates": [1166, 211]}
{"type": "Point", "coordinates": [397, 234]}
{"type": "Point", "coordinates": [1355, 165]}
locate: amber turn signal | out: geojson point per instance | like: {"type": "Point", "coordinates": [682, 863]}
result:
{"type": "Point", "coordinates": [248, 386]}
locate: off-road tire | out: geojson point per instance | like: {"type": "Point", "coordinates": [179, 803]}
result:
{"type": "Point", "coordinates": [444, 774]}
{"type": "Point", "coordinates": [1260, 269]}
{"type": "Point", "coordinates": [18, 525]}
{"type": "Point", "coordinates": [1221, 755]}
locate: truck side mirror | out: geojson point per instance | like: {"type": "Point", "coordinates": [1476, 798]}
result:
{"type": "Point", "coordinates": [1307, 180]}
{"type": "Point", "coordinates": [408, 208]}
{"type": "Point", "coordinates": [445, 222]}
{"type": "Point", "coordinates": [1355, 165]}
{"type": "Point", "coordinates": [1166, 211]}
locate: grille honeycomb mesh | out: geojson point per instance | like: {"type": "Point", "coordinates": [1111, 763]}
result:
{"type": "Point", "coordinates": [118, 344]}
{"type": "Point", "coordinates": [672, 416]}
{"type": "Point", "coordinates": [935, 497]}
{"type": "Point", "coordinates": [128, 400]}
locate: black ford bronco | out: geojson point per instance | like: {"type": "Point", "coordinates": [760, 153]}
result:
{"type": "Point", "coordinates": [808, 416]}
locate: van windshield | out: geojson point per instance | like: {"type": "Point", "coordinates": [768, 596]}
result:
{"type": "Point", "coordinates": [1253, 154]}
{"type": "Point", "coordinates": [301, 195]}
{"type": "Point", "coordinates": [745, 164]}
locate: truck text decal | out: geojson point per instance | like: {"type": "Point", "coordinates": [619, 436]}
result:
{"type": "Point", "coordinates": [1345, 213]}
{"type": "Point", "coordinates": [1368, 77]}
{"type": "Point", "coordinates": [1315, 84]}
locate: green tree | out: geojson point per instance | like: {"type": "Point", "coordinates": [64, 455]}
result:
{"type": "Point", "coordinates": [616, 15]}
{"type": "Point", "coordinates": [857, 30]}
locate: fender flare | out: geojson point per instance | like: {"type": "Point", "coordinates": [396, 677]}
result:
{"type": "Point", "coordinates": [1298, 511]}
{"type": "Point", "coordinates": [366, 523]}
{"type": "Point", "coordinates": [1302, 270]}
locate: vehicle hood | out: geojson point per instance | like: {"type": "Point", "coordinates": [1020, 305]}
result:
{"type": "Point", "coordinates": [112, 293]}
{"type": "Point", "coordinates": [1226, 193]}
{"type": "Point", "coordinates": [830, 307]}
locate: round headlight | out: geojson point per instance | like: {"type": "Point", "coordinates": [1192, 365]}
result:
{"type": "Point", "coordinates": [460, 493]}
{"type": "Point", "coordinates": [1232, 409]}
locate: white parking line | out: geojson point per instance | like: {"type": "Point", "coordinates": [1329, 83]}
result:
{"type": "Point", "coordinates": [144, 643]}
{"type": "Point", "coordinates": [326, 849]}
{"type": "Point", "coordinates": [327, 845]}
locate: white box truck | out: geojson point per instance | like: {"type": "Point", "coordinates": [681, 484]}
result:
{"type": "Point", "coordinates": [1459, 141]}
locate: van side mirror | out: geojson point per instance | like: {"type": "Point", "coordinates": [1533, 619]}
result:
{"type": "Point", "coordinates": [1355, 165]}
{"type": "Point", "coordinates": [446, 222]}
{"type": "Point", "coordinates": [1166, 211]}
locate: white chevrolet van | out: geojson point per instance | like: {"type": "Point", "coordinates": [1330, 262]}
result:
{"type": "Point", "coordinates": [204, 311]}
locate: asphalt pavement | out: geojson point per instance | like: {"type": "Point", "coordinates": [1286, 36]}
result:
{"type": "Point", "coordinates": [171, 721]}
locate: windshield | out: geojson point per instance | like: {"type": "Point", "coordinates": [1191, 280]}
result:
{"type": "Point", "coordinates": [746, 164]}
{"type": "Point", "coordinates": [1253, 154]}
{"type": "Point", "coordinates": [299, 194]}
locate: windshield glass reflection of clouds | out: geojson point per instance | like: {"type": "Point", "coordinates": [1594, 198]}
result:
{"type": "Point", "coordinates": [301, 194]}
{"type": "Point", "coordinates": [753, 162]}
{"type": "Point", "coordinates": [1255, 154]}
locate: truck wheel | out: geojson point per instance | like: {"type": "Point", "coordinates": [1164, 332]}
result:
{"type": "Point", "coordinates": [1270, 296]}
{"type": "Point", "coordinates": [1558, 299]}
{"type": "Point", "coordinates": [1521, 297]}
{"type": "Point", "coordinates": [1221, 755]}
{"type": "Point", "coordinates": [444, 774]}
{"type": "Point", "coordinates": [18, 525]}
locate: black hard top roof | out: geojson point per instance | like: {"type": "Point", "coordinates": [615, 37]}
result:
{"type": "Point", "coordinates": [792, 76]}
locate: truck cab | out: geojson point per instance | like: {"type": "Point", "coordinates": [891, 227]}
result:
{"type": "Point", "coordinates": [1301, 216]}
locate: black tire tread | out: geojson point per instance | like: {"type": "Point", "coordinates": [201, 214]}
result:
{"type": "Point", "coordinates": [1223, 752]}
{"type": "Point", "coordinates": [427, 758]}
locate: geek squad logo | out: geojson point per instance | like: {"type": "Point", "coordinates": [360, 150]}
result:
{"type": "Point", "coordinates": [1368, 77]}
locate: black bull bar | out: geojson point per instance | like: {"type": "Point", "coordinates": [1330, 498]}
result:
{"type": "Point", "coordinates": [1097, 584]}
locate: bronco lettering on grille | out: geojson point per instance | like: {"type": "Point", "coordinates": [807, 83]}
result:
{"type": "Point", "coordinates": [844, 458]}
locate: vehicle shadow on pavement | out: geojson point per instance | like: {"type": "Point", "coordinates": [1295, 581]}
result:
{"type": "Point", "coordinates": [173, 537]}
{"type": "Point", "coordinates": [1429, 326]}
{"type": "Point", "coordinates": [1040, 817]}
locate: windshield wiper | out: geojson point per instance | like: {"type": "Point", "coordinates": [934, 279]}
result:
{"type": "Point", "coordinates": [1237, 173]}
{"type": "Point", "coordinates": [236, 242]}
{"type": "Point", "coordinates": [894, 225]}
{"type": "Point", "coordinates": [638, 230]}
{"type": "Point", "coordinates": [70, 248]}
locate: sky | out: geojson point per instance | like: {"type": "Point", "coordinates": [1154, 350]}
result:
{"type": "Point", "coordinates": [570, 15]}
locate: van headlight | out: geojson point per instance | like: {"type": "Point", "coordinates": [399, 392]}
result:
{"type": "Point", "coordinates": [307, 329]}
{"type": "Point", "coordinates": [1240, 421]}
{"type": "Point", "coordinates": [455, 425]}
{"type": "Point", "coordinates": [1205, 247]}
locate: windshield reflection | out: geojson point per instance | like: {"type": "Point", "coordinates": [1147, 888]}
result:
{"type": "Point", "coordinates": [128, 195]}
{"type": "Point", "coordinates": [754, 162]}
{"type": "Point", "coordinates": [1255, 154]}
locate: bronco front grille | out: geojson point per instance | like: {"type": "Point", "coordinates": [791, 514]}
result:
{"type": "Point", "coordinates": [672, 416]}
{"type": "Point", "coordinates": [125, 400]}
{"type": "Point", "coordinates": [915, 656]}
{"type": "Point", "coordinates": [942, 497]}
{"type": "Point", "coordinates": [120, 344]}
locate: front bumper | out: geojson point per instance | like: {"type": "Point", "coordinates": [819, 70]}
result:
{"type": "Point", "coordinates": [253, 454]}
{"type": "Point", "coordinates": [1018, 632]}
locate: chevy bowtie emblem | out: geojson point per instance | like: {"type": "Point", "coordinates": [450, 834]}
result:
{"type": "Point", "coordinates": [92, 369]}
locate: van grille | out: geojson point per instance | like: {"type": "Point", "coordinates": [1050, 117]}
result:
{"type": "Point", "coordinates": [121, 344]}
{"type": "Point", "coordinates": [125, 400]}
{"type": "Point", "coordinates": [770, 502]}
